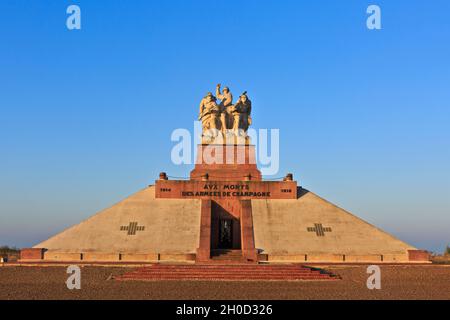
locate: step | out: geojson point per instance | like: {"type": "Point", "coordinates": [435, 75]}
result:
{"type": "Point", "coordinates": [244, 278]}
{"type": "Point", "coordinates": [210, 274]}
{"type": "Point", "coordinates": [219, 275]}
{"type": "Point", "coordinates": [243, 265]}
{"type": "Point", "coordinates": [228, 253]}
{"type": "Point", "coordinates": [231, 270]}
{"type": "Point", "coordinates": [221, 251]}
{"type": "Point", "coordinates": [231, 274]}
{"type": "Point", "coordinates": [226, 278]}
{"type": "Point", "coordinates": [226, 272]}
{"type": "Point", "coordinates": [214, 262]}
{"type": "Point", "coordinates": [225, 267]}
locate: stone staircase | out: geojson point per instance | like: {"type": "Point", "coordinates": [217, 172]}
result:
{"type": "Point", "coordinates": [226, 272]}
{"type": "Point", "coordinates": [227, 255]}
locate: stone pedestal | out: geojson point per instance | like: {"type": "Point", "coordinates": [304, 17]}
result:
{"type": "Point", "coordinates": [221, 162]}
{"type": "Point", "coordinates": [226, 163]}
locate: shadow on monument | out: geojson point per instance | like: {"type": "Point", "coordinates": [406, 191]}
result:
{"type": "Point", "coordinates": [301, 192]}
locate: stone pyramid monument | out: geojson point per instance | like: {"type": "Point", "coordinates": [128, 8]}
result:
{"type": "Point", "coordinates": [225, 212]}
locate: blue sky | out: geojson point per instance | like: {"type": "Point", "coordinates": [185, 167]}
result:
{"type": "Point", "coordinates": [86, 116]}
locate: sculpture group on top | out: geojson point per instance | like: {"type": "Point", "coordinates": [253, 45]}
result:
{"type": "Point", "coordinates": [224, 117]}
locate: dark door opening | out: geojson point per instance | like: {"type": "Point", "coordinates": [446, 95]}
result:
{"type": "Point", "coordinates": [225, 229]}
{"type": "Point", "coordinates": [225, 234]}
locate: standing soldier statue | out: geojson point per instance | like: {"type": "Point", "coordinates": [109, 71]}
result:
{"type": "Point", "coordinates": [243, 111]}
{"type": "Point", "coordinates": [226, 108]}
{"type": "Point", "coordinates": [209, 114]}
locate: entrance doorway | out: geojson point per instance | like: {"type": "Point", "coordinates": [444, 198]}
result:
{"type": "Point", "coordinates": [225, 229]}
{"type": "Point", "coordinates": [225, 234]}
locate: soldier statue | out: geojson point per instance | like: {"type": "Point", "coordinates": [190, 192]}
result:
{"type": "Point", "coordinates": [209, 113]}
{"type": "Point", "coordinates": [225, 117]}
{"type": "Point", "coordinates": [226, 104]}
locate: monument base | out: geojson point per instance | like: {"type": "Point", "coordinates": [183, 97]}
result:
{"type": "Point", "coordinates": [226, 162]}
{"type": "Point", "coordinates": [224, 214]}
{"type": "Point", "coordinates": [226, 226]}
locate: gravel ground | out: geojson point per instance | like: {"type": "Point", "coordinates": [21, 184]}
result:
{"type": "Point", "coordinates": [398, 282]}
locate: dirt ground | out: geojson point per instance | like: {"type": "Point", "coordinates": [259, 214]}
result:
{"type": "Point", "coordinates": [398, 282]}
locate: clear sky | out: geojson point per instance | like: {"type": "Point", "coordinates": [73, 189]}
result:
{"type": "Point", "coordinates": [86, 116]}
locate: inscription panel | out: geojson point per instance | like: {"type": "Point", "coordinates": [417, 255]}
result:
{"type": "Point", "coordinates": [241, 190]}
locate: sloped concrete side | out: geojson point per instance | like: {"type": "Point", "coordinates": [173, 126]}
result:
{"type": "Point", "coordinates": [169, 226]}
{"type": "Point", "coordinates": [281, 229]}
